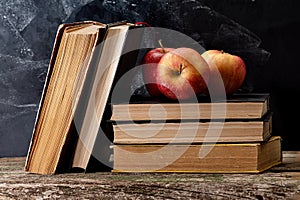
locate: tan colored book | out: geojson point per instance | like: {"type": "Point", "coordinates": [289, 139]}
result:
{"type": "Point", "coordinates": [193, 132]}
{"type": "Point", "coordinates": [72, 52]}
{"type": "Point", "coordinates": [238, 106]}
{"type": "Point", "coordinates": [80, 76]}
{"type": "Point", "coordinates": [196, 158]}
{"type": "Point", "coordinates": [100, 87]}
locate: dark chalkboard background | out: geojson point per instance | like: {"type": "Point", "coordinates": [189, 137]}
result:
{"type": "Point", "coordinates": [268, 28]}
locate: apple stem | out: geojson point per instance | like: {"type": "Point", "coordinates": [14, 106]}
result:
{"type": "Point", "coordinates": [222, 51]}
{"type": "Point", "coordinates": [162, 46]}
{"type": "Point", "coordinates": [180, 68]}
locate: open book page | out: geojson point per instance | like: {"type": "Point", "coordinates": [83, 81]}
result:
{"type": "Point", "coordinates": [104, 77]}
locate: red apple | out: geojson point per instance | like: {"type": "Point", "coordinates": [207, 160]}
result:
{"type": "Point", "coordinates": [151, 60]}
{"type": "Point", "coordinates": [182, 73]}
{"type": "Point", "coordinates": [231, 68]}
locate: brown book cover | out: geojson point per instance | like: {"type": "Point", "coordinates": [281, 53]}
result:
{"type": "Point", "coordinates": [238, 106]}
{"type": "Point", "coordinates": [199, 158]}
{"type": "Point", "coordinates": [227, 131]}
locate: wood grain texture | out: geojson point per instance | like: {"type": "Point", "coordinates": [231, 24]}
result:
{"type": "Point", "coordinates": [278, 183]}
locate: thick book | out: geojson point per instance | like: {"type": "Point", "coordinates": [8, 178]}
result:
{"type": "Point", "coordinates": [227, 131]}
{"type": "Point", "coordinates": [119, 54]}
{"type": "Point", "coordinates": [73, 48]}
{"type": "Point", "coordinates": [199, 158]}
{"type": "Point", "coordinates": [237, 106]}
{"type": "Point", "coordinates": [62, 122]}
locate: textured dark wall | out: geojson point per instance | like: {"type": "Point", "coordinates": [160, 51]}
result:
{"type": "Point", "coordinates": [268, 28]}
{"type": "Point", "coordinates": [27, 31]}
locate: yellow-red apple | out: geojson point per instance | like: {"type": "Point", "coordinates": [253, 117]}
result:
{"type": "Point", "coordinates": [231, 67]}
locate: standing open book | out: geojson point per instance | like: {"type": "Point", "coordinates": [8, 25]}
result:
{"type": "Point", "coordinates": [82, 69]}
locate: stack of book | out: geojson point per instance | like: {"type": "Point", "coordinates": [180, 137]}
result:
{"type": "Point", "coordinates": [230, 136]}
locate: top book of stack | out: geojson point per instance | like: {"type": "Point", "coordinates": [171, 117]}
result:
{"type": "Point", "coordinates": [237, 106]}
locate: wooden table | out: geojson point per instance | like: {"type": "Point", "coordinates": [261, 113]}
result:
{"type": "Point", "coordinates": [280, 182]}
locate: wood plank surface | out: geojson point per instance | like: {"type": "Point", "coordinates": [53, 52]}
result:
{"type": "Point", "coordinates": [280, 182]}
